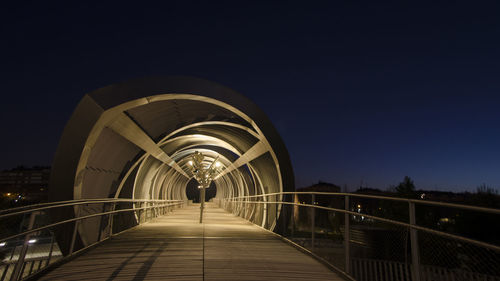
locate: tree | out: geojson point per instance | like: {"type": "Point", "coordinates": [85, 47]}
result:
{"type": "Point", "coordinates": [485, 189]}
{"type": "Point", "coordinates": [406, 188]}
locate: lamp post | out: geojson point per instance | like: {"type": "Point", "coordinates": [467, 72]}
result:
{"type": "Point", "coordinates": [204, 175]}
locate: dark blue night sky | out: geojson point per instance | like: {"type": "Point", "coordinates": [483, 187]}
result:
{"type": "Point", "coordinates": [361, 92]}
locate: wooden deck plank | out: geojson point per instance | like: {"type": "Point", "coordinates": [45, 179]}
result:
{"type": "Point", "coordinates": [177, 247]}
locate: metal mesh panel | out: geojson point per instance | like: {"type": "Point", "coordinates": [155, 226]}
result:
{"type": "Point", "coordinates": [40, 251]}
{"type": "Point", "coordinates": [30, 252]}
{"type": "Point", "coordinates": [443, 258]}
{"type": "Point", "coordinates": [378, 249]}
{"type": "Point", "coordinates": [329, 237]}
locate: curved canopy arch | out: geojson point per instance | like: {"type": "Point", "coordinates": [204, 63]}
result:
{"type": "Point", "coordinates": [133, 139]}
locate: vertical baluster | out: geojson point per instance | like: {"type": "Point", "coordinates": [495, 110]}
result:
{"type": "Point", "coordinates": [283, 215]}
{"type": "Point", "coordinates": [391, 272]}
{"type": "Point", "coordinates": [110, 218]}
{"type": "Point", "coordinates": [415, 257]}
{"type": "Point", "coordinates": [139, 215]}
{"type": "Point", "coordinates": [313, 220]}
{"type": "Point", "coordinates": [4, 273]}
{"type": "Point", "coordinates": [21, 276]}
{"type": "Point", "coordinates": [39, 265]}
{"type": "Point", "coordinates": [52, 240]}
{"type": "Point", "coordinates": [276, 218]}
{"type": "Point", "coordinates": [31, 267]}
{"type": "Point", "coordinates": [75, 230]}
{"type": "Point", "coordinates": [292, 223]}
{"type": "Point", "coordinates": [265, 211]}
{"type": "Point", "coordinates": [347, 237]}
{"type": "Point", "coordinates": [17, 272]}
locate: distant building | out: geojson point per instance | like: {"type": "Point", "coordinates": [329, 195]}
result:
{"type": "Point", "coordinates": [28, 183]}
{"type": "Point", "coordinates": [321, 187]}
{"type": "Point", "coordinates": [324, 200]}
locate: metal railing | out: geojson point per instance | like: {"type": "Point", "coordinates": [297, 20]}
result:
{"type": "Point", "coordinates": [31, 239]}
{"type": "Point", "coordinates": [369, 237]}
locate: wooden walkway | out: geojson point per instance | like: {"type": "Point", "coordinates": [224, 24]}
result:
{"type": "Point", "coordinates": [177, 247]}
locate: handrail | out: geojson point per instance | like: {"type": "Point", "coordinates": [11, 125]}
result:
{"type": "Point", "coordinates": [240, 205]}
{"type": "Point", "coordinates": [84, 217]}
{"type": "Point", "coordinates": [423, 202]}
{"type": "Point", "coordinates": [41, 204]}
{"type": "Point", "coordinates": [437, 232]}
{"type": "Point", "coordinates": [158, 206]}
{"type": "Point", "coordinates": [83, 202]}
{"type": "Point", "coordinates": [73, 201]}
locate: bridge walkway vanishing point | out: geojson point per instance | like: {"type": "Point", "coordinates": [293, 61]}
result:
{"type": "Point", "coordinates": [178, 247]}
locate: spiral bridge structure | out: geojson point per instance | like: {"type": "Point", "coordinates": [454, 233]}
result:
{"type": "Point", "coordinates": [134, 140]}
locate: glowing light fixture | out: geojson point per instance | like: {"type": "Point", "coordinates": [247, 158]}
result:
{"type": "Point", "coordinates": [3, 244]}
{"type": "Point", "coordinates": [32, 241]}
{"type": "Point", "coordinates": [204, 175]}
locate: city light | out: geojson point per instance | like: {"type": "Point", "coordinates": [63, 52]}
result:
{"type": "Point", "coordinates": [31, 241]}
{"type": "Point", "coordinates": [3, 244]}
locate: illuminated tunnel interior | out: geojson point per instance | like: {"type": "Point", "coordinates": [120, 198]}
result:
{"type": "Point", "coordinates": [135, 139]}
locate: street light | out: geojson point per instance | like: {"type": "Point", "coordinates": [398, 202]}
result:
{"type": "Point", "coordinates": [204, 175]}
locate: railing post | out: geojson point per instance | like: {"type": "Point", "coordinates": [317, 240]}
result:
{"type": "Point", "coordinates": [276, 218]}
{"type": "Point", "coordinates": [139, 215]}
{"type": "Point", "coordinates": [347, 236]}
{"type": "Point", "coordinates": [148, 204]}
{"type": "Point", "coordinates": [155, 211]}
{"type": "Point", "coordinates": [293, 218]}
{"type": "Point", "coordinates": [142, 214]}
{"type": "Point", "coordinates": [52, 240]}
{"type": "Point", "coordinates": [265, 211]}
{"type": "Point", "coordinates": [313, 211]}
{"type": "Point", "coordinates": [283, 216]}
{"type": "Point", "coordinates": [415, 256]}
{"type": "Point", "coordinates": [75, 230]}
{"type": "Point", "coordinates": [110, 222]}
{"type": "Point", "coordinates": [101, 219]}
{"type": "Point", "coordinates": [246, 208]}
{"type": "Point", "coordinates": [17, 272]}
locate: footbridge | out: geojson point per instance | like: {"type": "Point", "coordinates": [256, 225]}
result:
{"type": "Point", "coordinates": [121, 204]}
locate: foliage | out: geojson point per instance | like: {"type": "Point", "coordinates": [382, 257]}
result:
{"type": "Point", "coordinates": [406, 188]}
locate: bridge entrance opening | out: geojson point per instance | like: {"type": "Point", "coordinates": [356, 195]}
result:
{"type": "Point", "coordinates": [193, 193]}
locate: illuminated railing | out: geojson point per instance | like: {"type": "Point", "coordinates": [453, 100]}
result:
{"type": "Point", "coordinates": [368, 237]}
{"type": "Point", "coordinates": [30, 239]}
